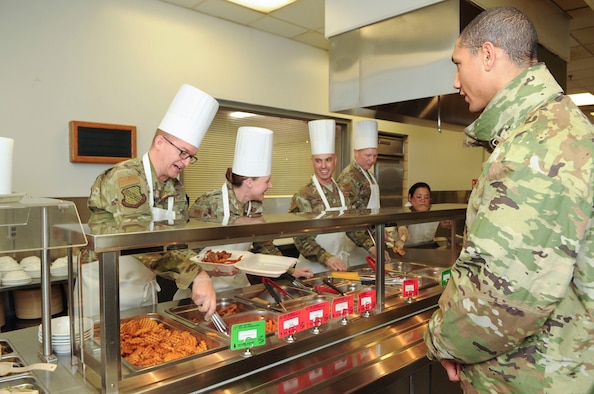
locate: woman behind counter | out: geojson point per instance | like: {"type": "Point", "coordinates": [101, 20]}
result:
{"type": "Point", "coordinates": [239, 200]}
{"type": "Point", "coordinates": [422, 234]}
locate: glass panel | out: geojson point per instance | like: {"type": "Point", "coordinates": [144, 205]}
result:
{"type": "Point", "coordinates": [37, 224]}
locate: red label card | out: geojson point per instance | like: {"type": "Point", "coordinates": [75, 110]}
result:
{"type": "Point", "coordinates": [410, 288]}
{"type": "Point", "coordinates": [343, 306]}
{"type": "Point", "coordinates": [366, 301]}
{"type": "Point", "coordinates": [290, 323]}
{"type": "Point", "coordinates": [317, 314]}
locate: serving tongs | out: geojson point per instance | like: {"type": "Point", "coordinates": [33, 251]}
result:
{"type": "Point", "coordinates": [219, 323]}
{"type": "Point", "coordinates": [331, 285]}
{"type": "Point", "coordinates": [295, 281]}
{"type": "Point", "coordinates": [272, 287]}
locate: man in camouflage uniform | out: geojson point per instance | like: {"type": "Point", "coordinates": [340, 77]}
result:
{"type": "Point", "coordinates": [356, 181]}
{"type": "Point", "coordinates": [139, 192]}
{"type": "Point", "coordinates": [321, 194]}
{"type": "Point", "coordinates": [516, 315]}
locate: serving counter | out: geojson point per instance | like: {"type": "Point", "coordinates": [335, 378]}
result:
{"type": "Point", "coordinates": [358, 352]}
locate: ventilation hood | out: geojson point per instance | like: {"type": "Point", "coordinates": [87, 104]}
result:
{"type": "Point", "coordinates": [400, 69]}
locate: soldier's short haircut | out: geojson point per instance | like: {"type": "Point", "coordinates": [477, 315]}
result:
{"type": "Point", "coordinates": [506, 28]}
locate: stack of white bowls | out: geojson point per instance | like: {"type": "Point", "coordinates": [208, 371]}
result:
{"type": "Point", "coordinates": [61, 333]}
{"type": "Point", "coordinates": [16, 278]}
{"type": "Point", "coordinates": [59, 267]}
{"type": "Point", "coordinates": [7, 264]}
{"type": "Point", "coordinates": [32, 266]}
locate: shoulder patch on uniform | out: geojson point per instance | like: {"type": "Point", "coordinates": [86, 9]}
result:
{"type": "Point", "coordinates": [133, 197]}
{"type": "Point", "coordinates": [128, 180]}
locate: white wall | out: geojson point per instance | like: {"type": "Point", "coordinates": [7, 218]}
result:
{"type": "Point", "coordinates": [121, 61]}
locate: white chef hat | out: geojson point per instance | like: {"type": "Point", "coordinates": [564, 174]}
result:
{"type": "Point", "coordinates": [321, 136]}
{"type": "Point", "coordinates": [366, 134]}
{"type": "Point", "coordinates": [253, 152]}
{"type": "Point", "coordinates": [190, 114]}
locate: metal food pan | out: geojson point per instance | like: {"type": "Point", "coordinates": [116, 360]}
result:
{"type": "Point", "coordinates": [319, 281]}
{"type": "Point", "coordinates": [295, 304]}
{"type": "Point", "coordinates": [211, 343]}
{"type": "Point", "coordinates": [246, 317]}
{"type": "Point", "coordinates": [19, 382]}
{"type": "Point", "coordinates": [262, 296]}
{"type": "Point", "coordinates": [191, 314]}
{"type": "Point", "coordinates": [6, 347]}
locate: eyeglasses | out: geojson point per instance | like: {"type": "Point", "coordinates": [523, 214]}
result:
{"type": "Point", "coordinates": [182, 153]}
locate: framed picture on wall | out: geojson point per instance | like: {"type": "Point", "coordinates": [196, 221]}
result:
{"type": "Point", "coordinates": [101, 142]}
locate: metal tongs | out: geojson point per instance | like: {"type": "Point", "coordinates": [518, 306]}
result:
{"type": "Point", "coordinates": [272, 287]}
{"type": "Point", "coordinates": [219, 323]}
{"type": "Point", "coordinates": [331, 285]}
{"type": "Point", "coordinates": [295, 281]}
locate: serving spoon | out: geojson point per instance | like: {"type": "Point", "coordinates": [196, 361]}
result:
{"type": "Point", "coordinates": [8, 367]}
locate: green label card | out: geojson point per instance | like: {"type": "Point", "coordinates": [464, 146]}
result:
{"type": "Point", "coordinates": [445, 276]}
{"type": "Point", "coordinates": [248, 335]}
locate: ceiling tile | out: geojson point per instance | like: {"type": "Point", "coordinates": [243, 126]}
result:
{"type": "Point", "coordinates": [584, 36]}
{"type": "Point", "coordinates": [277, 27]}
{"type": "Point", "coordinates": [313, 38]}
{"type": "Point", "coordinates": [229, 11]}
{"type": "Point", "coordinates": [578, 52]}
{"type": "Point", "coordinates": [305, 13]}
{"type": "Point", "coordinates": [567, 5]}
{"type": "Point", "coordinates": [184, 3]}
{"type": "Point", "coordinates": [584, 17]}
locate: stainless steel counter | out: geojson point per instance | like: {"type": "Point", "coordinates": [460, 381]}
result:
{"type": "Point", "coordinates": [102, 368]}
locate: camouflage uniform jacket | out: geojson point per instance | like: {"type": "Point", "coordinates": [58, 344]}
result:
{"type": "Point", "coordinates": [119, 198]}
{"type": "Point", "coordinates": [307, 199]}
{"type": "Point", "coordinates": [354, 185]}
{"type": "Point", "coordinates": [210, 205]}
{"type": "Point", "coordinates": [518, 309]}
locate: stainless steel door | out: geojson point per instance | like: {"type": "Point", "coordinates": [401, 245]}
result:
{"type": "Point", "coordinates": [389, 172]}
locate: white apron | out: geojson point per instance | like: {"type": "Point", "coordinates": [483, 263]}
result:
{"type": "Point", "coordinates": [159, 214]}
{"type": "Point", "coordinates": [222, 283]}
{"type": "Point", "coordinates": [358, 254]}
{"type": "Point", "coordinates": [421, 233]}
{"type": "Point", "coordinates": [374, 197]}
{"type": "Point", "coordinates": [334, 243]}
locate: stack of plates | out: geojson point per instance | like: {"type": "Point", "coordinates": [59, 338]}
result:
{"type": "Point", "coordinates": [59, 267]}
{"type": "Point", "coordinates": [8, 264]}
{"type": "Point", "coordinates": [32, 266]}
{"type": "Point", "coordinates": [61, 333]}
{"type": "Point", "coordinates": [16, 278]}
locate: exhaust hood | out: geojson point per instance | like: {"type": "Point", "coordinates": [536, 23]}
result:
{"type": "Point", "coordinates": [400, 69]}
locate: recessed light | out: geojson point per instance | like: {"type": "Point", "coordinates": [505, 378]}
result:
{"type": "Point", "coordinates": [240, 115]}
{"type": "Point", "coordinates": [582, 98]}
{"type": "Point", "coordinates": [264, 6]}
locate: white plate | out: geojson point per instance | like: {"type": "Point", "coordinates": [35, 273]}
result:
{"type": "Point", "coordinates": [11, 198]}
{"type": "Point", "coordinates": [235, 254]}
{"type": "Point", "coordinates": [266, 265]}
{"type": "Point", "coordinates": [34, 274]}
{"type": "Point", "coordinates": [18, 282]}
{"type": "Point", "coordinates": [61, 326]}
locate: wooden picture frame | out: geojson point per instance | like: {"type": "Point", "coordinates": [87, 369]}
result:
{"type": "Point", "coordinates": [101, 142]}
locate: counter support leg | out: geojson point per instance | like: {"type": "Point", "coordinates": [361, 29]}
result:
{"type": "Point", "coordinates": [109, 312]}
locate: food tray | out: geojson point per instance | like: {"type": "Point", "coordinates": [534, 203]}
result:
{"type": "Point", "coordinates": [235, 254]}
{"type": "Point", "coordinates": [190, 313]}
{"type": "Point", "coordinates": [262, 296]}
{"type": "Point", "coordinates": [245, 317]}
{"type": "Point", "coordinates": [211, 343]}
{"type": "Point", "coordinates": [20, 382]}
{"type": "Point", "coordinates": [266, 265]}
